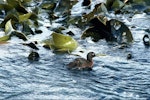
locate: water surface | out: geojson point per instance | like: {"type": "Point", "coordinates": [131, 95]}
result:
{"type": "Point", "coordinates": [113, 76]}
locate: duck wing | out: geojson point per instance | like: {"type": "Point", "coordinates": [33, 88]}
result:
{"type": "Point", "coordinates": [78, 63]}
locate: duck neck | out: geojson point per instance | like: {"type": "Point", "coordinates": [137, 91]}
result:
{"type": "Point", "coordinates": [89, 59]}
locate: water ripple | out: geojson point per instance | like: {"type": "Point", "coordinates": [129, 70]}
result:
{"type": "Point", "coordinates": [112, 78]}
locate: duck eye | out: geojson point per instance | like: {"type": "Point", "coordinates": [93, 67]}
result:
{"type": "Point", "coordinates": [93, 54]}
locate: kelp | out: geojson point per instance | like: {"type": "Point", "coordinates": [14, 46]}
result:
{"type": "Point", "coordinates": [13, 17]}
{"type": "Point", "coordinates": [116, 5]}
{"type": "Point", "coordinates": [4, 38]}
{"type": "Point", "coordinates": [63, 9]}
{"type": "Point", "coordinates": [24, 17]}
{"type": "Point", "coordinates": [15, 11]}
{"type": "Point", "coordinates": [121, 32]}
{"type": "Point", "coordinates": [10, 31]}
{"type": "Point", "coordinates": [98, 29]}
{"type": "Point", "coordinates": [112, 30]}
{"type": "Point", "coordinates": [8, 27]}
{"type": "Point", "coordinates": [31, 45]}
{"type": "Point", "coordinates": [147, 10]}
{"type": "Point", "coordinates": [60, 42]}
{"type": "Point", "coordinates": [17, 5]}
{"type": "Point", "coordinates": [123, 6]}
{"type": "Point", "coordinates": [81, 21]}
{"type": "Point", "coordinates": [26, 29]}
{"type": "Point", "coordinates": [48, 5]}
{"type": "Point", "coordinates": [65, 5]}
{"type": "Point", "coordinates": [99, 8]}
{"type": "Point", "coordinates": [20, 22]}
{"type": "Point", "coordinates": [20, 35]}
{"type": "Point", "coordinates": [17, 21]}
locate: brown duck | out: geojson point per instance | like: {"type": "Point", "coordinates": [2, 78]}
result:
{"type": "Point", "coordinates": [81, 63]}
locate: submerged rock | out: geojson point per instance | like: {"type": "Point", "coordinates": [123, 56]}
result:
{"type": "Point", "coordinates": [33, 56]}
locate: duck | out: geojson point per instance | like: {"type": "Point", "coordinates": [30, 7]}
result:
{"type": "Point", "coordinates": [146, 40]}
{"type": "Point", "coordinates": [82, 63]}
{"type": "Point", "coordinates": [33, 56]}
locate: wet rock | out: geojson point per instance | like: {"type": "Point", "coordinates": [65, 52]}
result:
{"type": "Point", "coordinates": [31, 45]}
{"type": "Point", "coordinates": [86, 2]}
{"type": "Point", "coordinates": [33, 56]}
{"type": "Point", "coordinates": [129, 56]}
{"type": "Point", "coordinates": [146, 40]}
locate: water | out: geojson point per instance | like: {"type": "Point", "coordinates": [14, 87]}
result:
{"type": "Point", "coordinates": [113, 76]}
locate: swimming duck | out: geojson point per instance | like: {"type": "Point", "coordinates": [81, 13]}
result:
{"type": "Point", "coordinates": [146, 40]}
{"type": "Point", "coordinates": [81, 63]}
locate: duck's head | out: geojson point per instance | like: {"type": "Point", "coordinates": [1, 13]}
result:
{"type": "Point", "coordinates": [146, 40]}
{"type": "Point", "coordinates": [90, 55]}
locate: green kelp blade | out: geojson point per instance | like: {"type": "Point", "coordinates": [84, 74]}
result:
{"type": "Point", "coordinates": [117, 4]}
{"type": "Point", "coordinates": [26, 1]}
{"type": "Point", "coordinates": [17, 4]}
{"type": "Point", "coordinates": [8, 27]}
{"type": "Point", "coordinates": [4, 38]}
{"type": "Point", "coordinates": [114, 4]}
{"type": "Point", "coordinates": [62, 42]}
{"type": "Point", "coordinates": [13, 16]}
{"type": "Point", "coordinates": [24, 17]}
{"type": "Point", "coordinates": [48, 5]}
